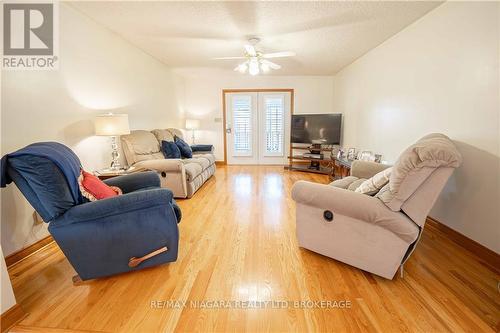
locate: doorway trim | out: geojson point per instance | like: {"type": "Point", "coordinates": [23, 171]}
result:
{"type": "Point", "coordinates": [271, 90]}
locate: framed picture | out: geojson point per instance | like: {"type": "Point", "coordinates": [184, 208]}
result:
{"type": "Point", "coordinates": [335, 151]}
{"type": "Point", "coordinates": [351, 154]}
{"type": "Point", "coordinates": [366, 156]}
{"type": "Point", "coordinates": [340, 153]}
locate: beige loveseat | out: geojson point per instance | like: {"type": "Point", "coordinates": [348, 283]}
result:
{"type": "Point", "coordinates": [376, 233]}
{"type": "Point", "coordinates": [183, 177]}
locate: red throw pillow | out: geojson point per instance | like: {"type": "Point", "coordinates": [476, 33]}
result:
{"type": "Point", "coordinates": [94, 189]}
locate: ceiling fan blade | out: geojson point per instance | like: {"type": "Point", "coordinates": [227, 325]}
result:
{"type": "Point", "coordinates": [278, 54]}
{"type": "Point", "coordinates": [228, 58]}
{"type": "Point", "coordinates": [250, 50]}
{"type": "Point", "coordinates": [271, 64]}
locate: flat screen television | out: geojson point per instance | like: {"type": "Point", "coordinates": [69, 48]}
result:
{"type": "Point", "coordinates": [316, 128]}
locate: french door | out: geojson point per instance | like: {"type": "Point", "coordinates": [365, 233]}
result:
{"type": "Point", "coordinates": [257, 127]}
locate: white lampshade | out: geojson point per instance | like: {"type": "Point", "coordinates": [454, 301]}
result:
{"type": "Point", "coordinates": [112, 124]}
{"type": "Point", "coordinates": [192, 124]}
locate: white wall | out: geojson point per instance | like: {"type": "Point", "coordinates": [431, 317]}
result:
{"type": "Point", "coordinates": [99, 72]}
{"type": "Point", "coordinates": [441, 74]}
{"type": "Point", "coordinates": [200, 92]}
{"type": "Point", "coordinates": [7, 298]}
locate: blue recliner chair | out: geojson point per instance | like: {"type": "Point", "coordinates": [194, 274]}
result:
{"type": "Point", "coordinates": [129, 232]}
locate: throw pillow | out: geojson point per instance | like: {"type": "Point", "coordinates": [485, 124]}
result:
{"type": "Point", "coordinates": [373, 185]}
{"type": "Point", "coordinates": [186, 151]}
{"type": "Point", "coordinates": [94, 189]}
{"type": "Point", "coordinates": [170, 149]}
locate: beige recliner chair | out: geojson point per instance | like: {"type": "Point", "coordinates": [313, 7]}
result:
{"type": "Point", "coordinates": [376, 233]}
{"type": "Point", "coordinates": [142, 149]}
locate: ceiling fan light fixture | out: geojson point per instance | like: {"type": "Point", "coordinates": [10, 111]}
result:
{"type": "Point", "coordinates": [242, 68]}
{"type": "Point", "coordinates": [253, 68]}
{"type": "Point", "coordinates": [255, 60]}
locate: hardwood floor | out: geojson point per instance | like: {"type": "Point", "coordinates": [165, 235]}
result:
{"type": "Point", "coordinates": [238, 244]}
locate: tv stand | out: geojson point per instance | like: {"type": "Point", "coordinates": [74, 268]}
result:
{"type": "Point", "coordinates": [313, 159]}
{"type": "Point", "coordinates": [315, 148]}
{"type": "Point", "coordinates": [314, 165]}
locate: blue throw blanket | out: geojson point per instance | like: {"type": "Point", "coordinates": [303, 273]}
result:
{"type": "Point", "coordinates": [63, 157]}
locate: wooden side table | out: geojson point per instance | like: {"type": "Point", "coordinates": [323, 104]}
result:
{"type": "Point", "coordinates": [341, 168]}
{"type": "Point", "coordinates": [108, 173]}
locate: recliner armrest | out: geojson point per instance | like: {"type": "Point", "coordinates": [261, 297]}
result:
{"type": "Point", "coordinates": [135, 181]}
{"type": "Point", "coordinates": [358, 206]}
{"type": "Point", "coordinates": [122, 204]}
{"type": "Point", "coordinates": [366, 169]}
{"type": "Point", "coordinates": [341, 201]}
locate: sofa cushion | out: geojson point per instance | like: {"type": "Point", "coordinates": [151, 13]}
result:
{"type": "Point", "coordinates": [140, 145]}
{"type": "Point", "coordinates": [185, 149]}
{"type": "Point", "coordinates": [192, 170]}
{"type": "Point", "coordinates": [170, 149]}
{"type": "Point", "coordinates": [344, 182]}
{"type": "Point", "coordinates": [415, 165]}
{"type": "Point", "coordinates": [176, 133]}
{"type": "Point", "coordinates": [355, 184]}
{"type": "Point", "coordinates": [374, 184]}
{"type": "Point", "coordinates": [209, 157]}
{"type": "Point", "coordinates": [350, 183]}
{"type": "Point", "coordinates": [163, 135]}
{"type": "Point", "coordinates": [201, 161]}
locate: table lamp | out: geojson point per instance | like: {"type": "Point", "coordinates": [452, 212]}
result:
{"type": "Point", "coordinates": [112, 125]}
{"type": "Point", "coordinates": [192, 124]}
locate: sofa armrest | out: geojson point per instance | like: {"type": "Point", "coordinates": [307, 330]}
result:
{"type": "Point", "coordinates": [366, 169]}
{"type": "Point", "coordinates": [196, 153]}
{"type": "Point", "coordinates": [122, 204]}
{"type": "Point", "coordinates": [135, 181]}
{"type": "Point", "coordinates": [339, 201]}
{"type": "Point", "coordinates": [207, 149]}
{"type": "Point", "coordinates": [162, 165]}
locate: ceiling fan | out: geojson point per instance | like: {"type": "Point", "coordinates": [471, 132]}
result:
{"type": "Point", "coordinates": [255, 60]}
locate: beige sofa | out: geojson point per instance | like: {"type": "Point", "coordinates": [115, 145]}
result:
{"type": "Point", "coordinates": [375, 233]}
{"type": "Point", "coordinates": [183, 177]}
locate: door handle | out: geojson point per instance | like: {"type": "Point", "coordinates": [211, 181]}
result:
{"type": "Point", "coordinates": [228, 130]}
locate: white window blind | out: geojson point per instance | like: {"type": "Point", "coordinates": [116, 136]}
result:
{"type": "Point", "coordinates": [242, 125]}
{"type": "Point", "coordinates": [274, 113]}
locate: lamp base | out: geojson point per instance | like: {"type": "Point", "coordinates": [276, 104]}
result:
{"type": "Point", "coordinates": [115, 155]}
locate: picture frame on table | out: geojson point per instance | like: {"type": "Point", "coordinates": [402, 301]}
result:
{"type": "Point", "coordinates": [366, 155]}
{"type": "Point", "coordinates": [351, 154]}
{"type": "Point", "coordinates": [340, 154]}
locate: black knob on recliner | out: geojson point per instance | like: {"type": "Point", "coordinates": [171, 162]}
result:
{"type": "Point", "coordinates": [328, 215]}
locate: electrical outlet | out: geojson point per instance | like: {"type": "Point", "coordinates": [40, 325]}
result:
{"type": "Point", "coordinates": [218, 120]}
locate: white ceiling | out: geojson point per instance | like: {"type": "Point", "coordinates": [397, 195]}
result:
{"type": "Point", "coordinates": [326, 36]}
